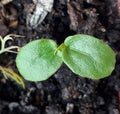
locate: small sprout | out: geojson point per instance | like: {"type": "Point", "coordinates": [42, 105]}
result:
{"type": "Point", "coordinates": [8, 72]}
{"type": "Point", "coordinates": [60, 48]}
{"type": "Point", "coordinates": [3, 42]}
{"type": "Point", "coordinates": [85, 55]}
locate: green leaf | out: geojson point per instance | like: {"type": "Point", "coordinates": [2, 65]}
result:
{"type": "Point", "coordinates": [88, 56]}
{"type": "Point", "coordinates": [36, 61]}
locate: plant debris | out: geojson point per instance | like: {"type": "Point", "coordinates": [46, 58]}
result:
{"type": "Point", "coordinates": [40, 10]}
{"type": "Point", "coordinates": [75, 15]}
{"type": "Point", "coordinates": [9, 73]}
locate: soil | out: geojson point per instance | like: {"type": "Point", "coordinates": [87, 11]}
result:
{"type": "Point", "coordinates": [64, 92]}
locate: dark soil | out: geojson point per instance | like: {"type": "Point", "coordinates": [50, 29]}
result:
{"type": "Point", "coordinates": [64, 92]}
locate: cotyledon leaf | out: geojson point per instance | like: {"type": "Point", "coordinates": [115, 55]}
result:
{"type": "Point", "coordinates": [88, 56]}
{"type": "Point", "coordinates": [36, 61]}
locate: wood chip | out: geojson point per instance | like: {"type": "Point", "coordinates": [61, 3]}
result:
{"type": "Point", "coordinates": [42, 7]}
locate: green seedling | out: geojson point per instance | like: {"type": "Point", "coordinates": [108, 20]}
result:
{"type": "Point", "coordinates": [8, 72]}
{"type": "Point", "coordinates": [85, 55]}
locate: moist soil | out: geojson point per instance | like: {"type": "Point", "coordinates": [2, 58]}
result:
{"type": "Point", "coordinates": [64, 92]}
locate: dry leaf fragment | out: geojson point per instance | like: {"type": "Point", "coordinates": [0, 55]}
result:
{"type": "Point", "coordinates": [42, 7]}
{"type": "Point", "coordinates": [9, 73]}
{"type": "Point", "coordinates": [8, 14]}
{"type": "Point", "coordinates": [4, 2]}
{"type": "Point", "coordinates": [75, 15]}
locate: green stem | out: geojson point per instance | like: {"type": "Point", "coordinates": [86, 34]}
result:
{"type": "Point", "coordinates": [60, 48]}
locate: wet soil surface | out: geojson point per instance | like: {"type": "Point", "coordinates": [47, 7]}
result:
{"type": "Point", "coordinates": [64, 92]}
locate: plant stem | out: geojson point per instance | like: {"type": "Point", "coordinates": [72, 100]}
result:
{"type": "Point", "coordinates": [60, 48]}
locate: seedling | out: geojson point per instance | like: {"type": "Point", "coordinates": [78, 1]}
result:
{"type": "Point", "coordinates": [85, 55]}
{"type": "Point", "coordinates": [8, 72]}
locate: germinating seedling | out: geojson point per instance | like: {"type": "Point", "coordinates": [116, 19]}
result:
{"type": "Point", "coordinates": [85, 55]}
{"type": "Point", "coordinates": [8, 72]}
{"type": "Point", "coordinates": [3, 42]}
